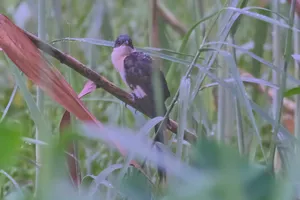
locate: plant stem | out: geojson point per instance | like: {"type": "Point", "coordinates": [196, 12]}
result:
{"type": "Point", "coordinates": [39, 93]}
{"type": "Point", "coordinates": [287, 58]}
{"type": "Point", "coordinates": [297, 76]}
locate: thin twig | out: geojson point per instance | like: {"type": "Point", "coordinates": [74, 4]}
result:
{"type": "Point", "coordinates": [101, 81]}
{"type": "Point", "coordinates": [13, 94]}
{"type": "Point", "coordinates": [170, 18]}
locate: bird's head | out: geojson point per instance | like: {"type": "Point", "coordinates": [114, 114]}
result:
{"type": "Point", "coordinates": [123, 40]}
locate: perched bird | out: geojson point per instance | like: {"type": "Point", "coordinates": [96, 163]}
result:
{"type": "Point", "coordinates": [137, 71]}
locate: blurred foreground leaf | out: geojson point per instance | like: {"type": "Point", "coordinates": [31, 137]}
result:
{"type": "Point", "coordinates": [135, 186]}
{"type": "Point", "coordinates": [226, 175]}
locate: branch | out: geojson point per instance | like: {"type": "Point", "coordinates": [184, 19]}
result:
{"type": "Point", "coordinates": [100, 81]}
{"type": "Point", "coordinates": [170, 18]}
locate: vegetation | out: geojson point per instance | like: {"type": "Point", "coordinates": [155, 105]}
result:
{"type": "Point", "coordinates": [233, 72]}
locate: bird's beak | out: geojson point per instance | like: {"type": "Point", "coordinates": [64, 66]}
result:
{"type": "Point", "coordinates": [127, 43]}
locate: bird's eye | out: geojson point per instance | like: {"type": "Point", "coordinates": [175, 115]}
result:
{"type": "Point", "coordinates": [118, 43]}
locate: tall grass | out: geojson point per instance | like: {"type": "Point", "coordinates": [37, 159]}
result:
{"type": "Point", "coordinates": [40, 97]}
{"type": "Point", "coordinates": [228, 76]}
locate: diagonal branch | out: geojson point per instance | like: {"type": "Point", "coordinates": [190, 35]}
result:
{"type": "Point", "coordinates": [171, 19]}
{"type": "Point", "coordinates": [100, 81]}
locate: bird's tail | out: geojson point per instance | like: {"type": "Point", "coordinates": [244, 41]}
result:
{"type": "Point", "coordinates": [160, 138]}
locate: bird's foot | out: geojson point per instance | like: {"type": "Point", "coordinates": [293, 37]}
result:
{"type": "Point", "coordinates": [133, 97]}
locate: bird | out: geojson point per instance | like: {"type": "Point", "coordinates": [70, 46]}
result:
{"type": "Point", "coordinates": [137, 69]}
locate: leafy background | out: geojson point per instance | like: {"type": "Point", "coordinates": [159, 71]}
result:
{"type": "Point", "coordinates": [237, 110]}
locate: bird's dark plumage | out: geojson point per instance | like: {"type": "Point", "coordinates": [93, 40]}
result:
{"type": "Point", "coordinates": [138, 73]}
{"type": "Point", "coordinates": [137, 70]}
{"type": "Point", "coordinates": [123, 40]}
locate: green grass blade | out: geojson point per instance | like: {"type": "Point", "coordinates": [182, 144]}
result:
{"type": "Point", "coordinates": [35, 114]}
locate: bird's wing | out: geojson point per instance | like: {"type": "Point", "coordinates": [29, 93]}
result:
{"type": "Point", "coordinates": [138, 75]}
{"type": "Point", "coordinates": [138, 68]}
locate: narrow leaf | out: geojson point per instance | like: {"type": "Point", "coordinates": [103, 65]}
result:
{"type": "Point", "coordinates": [291, 92]}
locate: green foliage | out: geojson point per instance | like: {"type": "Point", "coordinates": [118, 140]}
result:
{"type": "Point", "coordinates": [229, 175]}
{"type": "Point", "coordinates": [10, 141]}
{"type": "Point", "coordinates": [135, 186]}
{"type": "Point", "coordinates": [292, 92]}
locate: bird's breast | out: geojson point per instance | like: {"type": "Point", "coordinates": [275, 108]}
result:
{"type": "Point", "coordinates": [118, 63]}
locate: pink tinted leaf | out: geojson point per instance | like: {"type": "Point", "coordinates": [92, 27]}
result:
{"type": "Point", "coordinates": [89, 87]}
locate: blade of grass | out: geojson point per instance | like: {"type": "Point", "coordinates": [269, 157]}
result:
{"type": "Point", "coordinates": [12, 96]}
{"type": "Point", "coordinates": [277, 57]}
{"type": "Point", "coordinates": [287, 58]}
{"type": "Point", "coordinates": [226, 22]}
{"type": "Point", "coordinates": [260, 38]}
{"type": "Point", "coordinates": [35, 113]}
{"type": "Point", "coordinates": [102, 176]}
{"type": "Point", "coordinates": [244, 79]}
{"type": "Point", "coordinates": [297, 76]}
{"type": "Point", "coordinates": [242, 96]}
{"type": "Point", "coordinates": [261, 17]}
{"type": "Point", "coordinates": [222, 107]}
{"type": "Point", "coordinates": [40, 94]}
{"type": "Point", "coordinates": [183, 106]}
{"type": "Point", "coordinates": [33, 141]}
{"type": "Point", "coordinates": [14, 182]}
{"type": "Point", "coordinates": [239, 122]}
{"type": "Point", "coordinates": [260, 59]}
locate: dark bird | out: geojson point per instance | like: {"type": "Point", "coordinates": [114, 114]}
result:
{"type": "Point", "coordinates": [137, 71]}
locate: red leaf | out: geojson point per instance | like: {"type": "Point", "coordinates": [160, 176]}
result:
{"type": "Point", "coordinates": [30, 61]}
{"type": "Point", "coordinates": [89, 87]}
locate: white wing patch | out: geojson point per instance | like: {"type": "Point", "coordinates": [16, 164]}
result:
{"type": "Point", "coordinates": [139, 92]}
